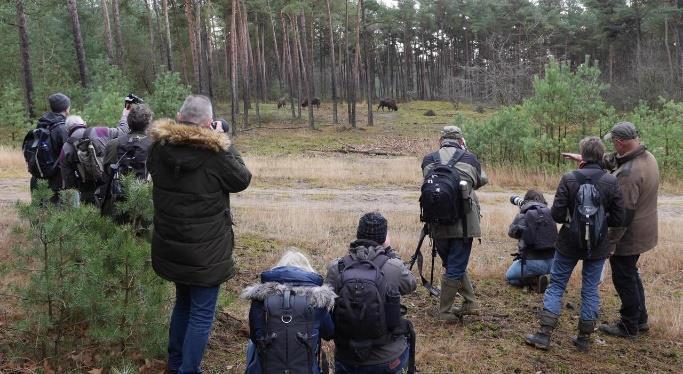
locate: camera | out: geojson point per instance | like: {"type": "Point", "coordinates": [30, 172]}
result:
{"type": "Point", "coordinates": [132, 99]}
{"type": "Point", "coordinates": [516, 200]}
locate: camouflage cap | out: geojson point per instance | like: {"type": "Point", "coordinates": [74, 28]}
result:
{"type": "Point", "coordinates": [622, 130]}
{"type": "Point", "coordinates": [451, 132]}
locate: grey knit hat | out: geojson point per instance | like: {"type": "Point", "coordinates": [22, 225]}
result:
{"type": "Point", "coordinates": [59, 102]}
{"type": "Point", "coordinates": [372, 226]}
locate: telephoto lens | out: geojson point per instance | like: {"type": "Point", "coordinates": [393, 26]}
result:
{"type": "Point", "coordinates": [516, 200]}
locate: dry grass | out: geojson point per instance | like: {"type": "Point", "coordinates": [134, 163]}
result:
{"type": "Point", "coordinates": [12, 164]}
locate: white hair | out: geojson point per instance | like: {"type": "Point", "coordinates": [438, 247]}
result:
{"type": "Point", "coordinates": [196, 109]}
{"type": "Point", "coordinates": [296, 259]}
{"type": "Point", "coordinates": [74, 121]}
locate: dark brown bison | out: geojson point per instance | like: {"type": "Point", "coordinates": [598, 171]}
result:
{"type": "Point", "coordinates": [315, 102]}
{"type": "Point", "coordinates": [387, 103]}
{"type": "Point", "coordinates": [281, 102]}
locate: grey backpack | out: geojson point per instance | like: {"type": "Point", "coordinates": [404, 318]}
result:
{"type": "Point", "coordinates": [589, 221]}
{"type": "Point", "coordinates": [89, 158]}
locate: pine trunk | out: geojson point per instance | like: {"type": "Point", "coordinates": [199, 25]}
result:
{"type": "Point", "coordinates": [78, 42]}
{"type": "Point", "coordinates": [25, 57]}
{"type": "Point", "coordinates": [118, 36]}
{"type": "Point", "coordinates": [356, 64]}
{"type": "Point", "coordinates": [167, 30]}
{"type": "Point", "coordinates": [368, 77]}
{"type": "Point", "coordinates": [308, 74]}
{"type": "Point", "coordinates": [107, 32]}
{"type": "Point", "coordinates": [152, 49]}
{"type": "Point", "coordinates": [333, 69]}
{"type": "Point", "coordinates": [233, 65]}
{"type": "Point", "coordinates": [192, 37]}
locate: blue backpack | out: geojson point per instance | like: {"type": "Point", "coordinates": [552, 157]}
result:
{"type": "Point", "coordinates": [39, 152]}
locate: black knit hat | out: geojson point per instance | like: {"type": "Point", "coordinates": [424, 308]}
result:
{"type": "Point", "coordinates": [372, 226]}
{"type": "Point", "coordinates": [59, 102]}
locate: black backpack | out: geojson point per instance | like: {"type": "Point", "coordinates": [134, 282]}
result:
{"type": "Point", "coordinates": [589, 221]}
{"type": "Point", "coordinates": [366, 311]}
{"type": "Point", "coordinates": [541, 230]}
{"type": "Point", "coordinates": [131, 158]}
{"type": "Point", "coordinates": [440, 200]}
{"type": "Point", "coordinates": [39, 152]}
{"type": "Point", "coordinates": [289, 342]}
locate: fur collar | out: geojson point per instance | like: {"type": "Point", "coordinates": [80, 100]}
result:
{"type": "Point", "coordinates": [166, 130]}
{"type": "Point", "coordinates": [319, 296]}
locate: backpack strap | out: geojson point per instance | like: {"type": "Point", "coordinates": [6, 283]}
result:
{"type": "Point", "coordinates": [591, 178]}
{"type": "Point", "coordinates": [380, 260]}
{"type": "Point", "coordinates": [457, 155]}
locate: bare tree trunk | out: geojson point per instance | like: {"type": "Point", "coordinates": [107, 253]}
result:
{"type": "Point", "coordinates": [233, 65]}
{"type": "Point", "coordinates": [246, 38]}
{"type": "Point", "coordinates": [368, 78]}
{"type": "Point", "coordinates": [200, 46]}
{"type": "Point", "coordinates": [356, 63]}
{"type": "Point", "coordinates": [294, 56]}
{"type": "Point", "coordinates": [193, 45]}
{"type": "Point", "coordinates": [25, 57]}
{"type": "Point", "coordinates": [167, 29]}
{"type": "Point", "coordinates": [333, 70]}
{"type": "Point", "coordinates": [308, 74]}
{"type": "Point", "coordinates": [278, 62]}
{"type": "Point", "coordinates": [78, 42]}
{"type": "Point", "coordinates": [246, 94]}
{"type": "Point", "coordinates": [152, 49]}
{"type": "Point", "coordinates": [107, 32]}
{"type": "Point", "coordinates": [350, 89]}
{"type": "Point", "coordinates": [208, 51]}
{"type": "Point", "coordinates": [287, 57]}
{"type": "Point", "coordinates": [118, 36]}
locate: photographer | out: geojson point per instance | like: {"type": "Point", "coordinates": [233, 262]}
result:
{"type": "Point", "coordinates": [537, 233]}
{"type": "Point", "coordinates": [194, 169]}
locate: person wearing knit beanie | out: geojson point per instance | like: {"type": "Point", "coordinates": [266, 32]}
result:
{"type": "Point", "coordinates": [59, 103]}
{"type": "Point", "coordinates": [372, 226]}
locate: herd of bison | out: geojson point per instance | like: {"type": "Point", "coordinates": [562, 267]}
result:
{"type": "Point", "coordinates": [383, 103]}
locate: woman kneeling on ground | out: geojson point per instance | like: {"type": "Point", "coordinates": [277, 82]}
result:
{"type": "Point", "coordinates": [289, 314]}
{"type": "Point", "coordinates": [537, 233]}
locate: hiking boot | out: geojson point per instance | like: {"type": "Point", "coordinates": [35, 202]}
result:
{"type": "Point", "coordinates": [449, 290]}
{"type": "Point", "coordinates": [543, 282]}
{"type": "Point", "coordinates": [619, 329]}
{"type": "Point", "coordinates": [582, 341]}
{"type": "Point", "coordinates": [541, 339]}
{"type": "Point", "coordinates": [643, 327]}
{"type": "Point", "coordinates": [469, 305]}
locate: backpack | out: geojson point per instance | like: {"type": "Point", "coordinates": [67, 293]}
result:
{"type": "Point", "coordinates": [588, 221]}
{"type": "Point", "coordinates": [541, 230]}
{"type": "Point", "coordinates": [289, 342]}
{"type": "Point", "coordinates": [132, 155]}
{"type": "Point", "coordinates": [88, 158]}
{"type": "Point", "coordinates": [366, 311]}
{"type": "Point", "coordinates": [39, 152]}
{"type": "Point", "coordinates": [440, 199]}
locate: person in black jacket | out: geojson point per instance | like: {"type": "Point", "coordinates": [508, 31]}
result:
{"type": "Point", "coordinates": [194, 168]}
{"type": "Point", "coordinates": [53, 120]}
{"type": "Point", "coordinates": [569, 250]}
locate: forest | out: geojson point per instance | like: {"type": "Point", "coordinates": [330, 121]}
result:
{"type": "Point", "coordinates": [305, 87]}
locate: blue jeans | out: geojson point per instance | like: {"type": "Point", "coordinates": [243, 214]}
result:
{"type": "Point", "coordinates": [559, 276]}
{"type": "Point", "coordinates": [190, 327]}
{"type": "Point", "coordinates": [394, 367]}
{"type": "Point", "coordinates": [455, 255]}
{"type": "Point", "coordinates": [532, 268]}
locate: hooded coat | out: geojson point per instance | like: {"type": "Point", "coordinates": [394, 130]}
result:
{"type": "Point", "coordinates": [276, 281]}
{"type": "Point", "coordinates": [193, 171]}
{"type": "Point", "coordinates": [397, 276]}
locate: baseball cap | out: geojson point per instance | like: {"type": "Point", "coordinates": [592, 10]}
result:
{"type": "Point", "coordinates": [451, 132]}
{"type": "Point", "coordinates": [622, 130]}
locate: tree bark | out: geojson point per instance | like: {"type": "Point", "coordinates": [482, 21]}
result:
{"type": "Point", "coordinates": [24, 47]}
{"type": "Point", "coordinates": [152, 49]}
{"type": "Point", "coordinates": [118, 36]}
{"type": "Point", "coordinates": [308, 73]}
{"type": "Point", "coordinates": [233, 65]}
{"type": "Point", "coordinates": [167, 30]}
{"type": "Point", "coordinates": [356, 65]}
{"type": "Point", "coordinates": [368, 77]}
{"type": "Point", "coordinates": [278, 62]}
{"type": "Point", "coordinates": [333, 69]}
{"type": "Point", "coordinates": [192, 37]}
{"type": "Point", "coordinates": [107, 32]}
{"type": "Point", "coordinates": [78, 42]}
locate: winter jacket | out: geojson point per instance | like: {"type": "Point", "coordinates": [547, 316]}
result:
{"type": "Point", "coordinates": [193, 171]}
{"type": "Point", "coordinates": [470, 171]}
{"type": "Point", "coordinates": [301, 282]}
{"type": "Point", "coordinates": [521, 223]}
{"type": "Point", "coordinates": [396, 275]}
{"type": "Point", "coordinates": [638, 177]}
{"type": "Point", "coordinates": [54, 122]}
{"type": "Point", "coordinates": [99, 136]}
{"type": "Point", "coordinates": [563, 206]}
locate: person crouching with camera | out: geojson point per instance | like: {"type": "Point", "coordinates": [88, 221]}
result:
{"type": "Point", "coordinates": [537, 233]}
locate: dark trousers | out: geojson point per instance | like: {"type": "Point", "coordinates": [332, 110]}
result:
{"type": "Point", "coordinates": [630, 289]}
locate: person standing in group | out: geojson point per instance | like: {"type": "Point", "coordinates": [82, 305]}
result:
{"type": "Point", "coordinates": [42, 146]}
{"type": "Point", "coordinates": [454, 235]}
{"type": "Point", "coordinates": [194, 169]}
{"type": "Point", "coordinates": [638, 177]}
{"type": "Point", "coordinates": [587, 202]}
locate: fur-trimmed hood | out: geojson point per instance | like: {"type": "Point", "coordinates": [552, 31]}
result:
{"type": "Point", "coordinates": [318, 296]}
{"type": "Point", "coordinates": [169, 131]}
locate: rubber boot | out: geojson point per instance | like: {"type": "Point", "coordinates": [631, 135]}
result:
{"type": "Point", "coordinates": [469, 305]}
{"type": "Point", "coordinates": [449, 290]}
{"type": "Point", "coordinates": [583, 340]}
{"type": "Point", "coordinates": [619, 329]}
{"type": "Point", "coordinates": [541, 339]}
